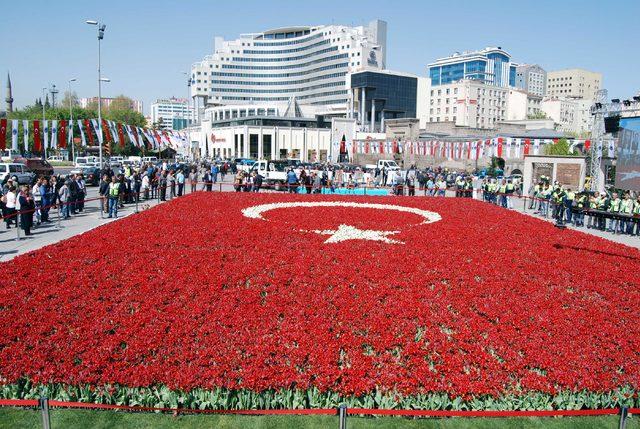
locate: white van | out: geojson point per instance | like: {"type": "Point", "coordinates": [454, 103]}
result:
{"type": "Point", "coordinates": [83, 161]}
{"type": "Point", "coordinates": [151, 159]}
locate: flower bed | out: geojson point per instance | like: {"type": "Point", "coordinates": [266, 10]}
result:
{"type": "Point", "coordinates": [449, 299]}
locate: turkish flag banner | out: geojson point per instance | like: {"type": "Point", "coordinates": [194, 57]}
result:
{"type": "Point", "coordinates": [87, 126]}
{"type": "Point", "coordinates": [105, 130]}
{"type": "Point", "coordinates": [499, 147]}
{"type": "Point", "coordinates": [62, 134]}
{"type": "Point", "coordinates": [37, 145]}
{"type": "Point", "coordinates": [121, 135]}
{"type": "Point", "coordinates": [527, 145]}
{"type": "Point", "coordinates": [3, 134]}
{"type": "Point", "coordinates": [587, 144]}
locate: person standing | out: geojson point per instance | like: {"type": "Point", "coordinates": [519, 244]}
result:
{"type": "Point", "coordinates": [214, 172]}
{"type": "Point", "coordinates": [257, 181]}
{"type": "Point", "coordinates": [9, 200]}
{"type": "Point", "coordinates": [180, 182]}
{"type": "Point", "coordinates": [64, 196]}
{"type": "Point", "coordinates": [206, 179]}
{"type": "Point", "coordinates": [103, 191]}
{"type": "Point", "coordinates": [411, 181]}
{"type": "Point", "coordinates": [292, 181]}
{"type": "Point", "coordinates": [82, 192]}
{"type": "Point", "coordinates": [162, 186]}
{"type": "Point", "coordinates": [171, 182]}
{"type": "Point", "coordinates": [27, 207]}
{"type": "Point", "coordinates": [37, 200]}
{"type": "Point", "coordinates": [114, 196]}
{"type": "Point", "coordinates": [614, 208]}
{"type": "Point", "coordinates": [193, 179]}
{"type": "Point", "coordinates": [145, 185]}
{"type": "Point", "coordinates": [46, 200]}
{"type": "Point", "coordinates": [569, 203]}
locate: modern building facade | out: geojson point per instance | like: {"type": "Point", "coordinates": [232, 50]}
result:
{"type": "Point", "coordinates": [260, 140]}
{"type": "Point", "coordinates": [106, 103]}
{"type": "Point", "coordinates": [306, 63]}
{"type": "Point", "coordinates": [171, 113]}
{"type": "Point", "coordinates": [532, 78]}
{"type": "Point", "coordinates": [379, 95]}
{"type": "Point", "coordinates": [491, 66]}
{"type": "Point", "coordinates": [574, 83]}
{"type": "Point", "coordinates": [468, 103]}
{"type": "Point", "coordinates": [523, 105]}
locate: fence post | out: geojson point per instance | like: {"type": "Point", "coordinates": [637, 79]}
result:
{"type": "Point", "coordinates": [60, 215]}
{"type": "Point", "coordinates": [220, 183]}
{"type": "Point", "coordinates": [43, 403]}
{"type": "Point", "coordinates": [342, 413]}
{"type": "Point", "coordinates": [624, 413]}
{"type": "Point", "coordinates": [137, 198]}
{"type": "Point", "coordinates": [101, 207]}
{"type": "Point", "coordinates": [524, 206]}
{"type": "Point", "coordinates": [17, 226]}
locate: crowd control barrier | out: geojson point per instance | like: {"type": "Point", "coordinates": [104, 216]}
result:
{"type": "Point", "coordinates": [45, 405]}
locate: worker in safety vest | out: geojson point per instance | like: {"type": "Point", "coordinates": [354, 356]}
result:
{"type": "Point", "coordinates": [603, 205]}
{"type": "Point", "coordinates": [626, 208]}
{"type": "Point", "coordinates": [581, 204]}
{"type": "Point", "coordinates": [636, 215]}
{"type": "Point", "coordinates": [510, 190]}
{"type": "Point", "coordinates": [614, 208]}
{"type": "Point", "coordinates": [113, 195]}
{"type": "Point", "coordinates": [558, 198]}
{"type": "Point", "coordinates": [568, 202]}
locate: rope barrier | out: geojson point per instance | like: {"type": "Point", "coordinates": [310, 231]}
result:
{"type": "Point", "coordinates": [327, 411]}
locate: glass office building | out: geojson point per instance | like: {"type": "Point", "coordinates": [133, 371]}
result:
{"type": "Point", "coordinates": [380, 95]}
{"type": "Point", "coordinates": [492, 66]}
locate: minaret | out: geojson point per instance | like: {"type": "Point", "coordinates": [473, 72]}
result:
{"type": "Point", "coordinates": [9, 98]}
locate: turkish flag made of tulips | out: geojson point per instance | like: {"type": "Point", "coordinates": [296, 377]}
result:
{"type": "Point", "coordinates": [346, 294]}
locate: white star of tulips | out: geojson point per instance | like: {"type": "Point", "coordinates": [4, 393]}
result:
{"type": "Point", "coordinates": [348, 232]}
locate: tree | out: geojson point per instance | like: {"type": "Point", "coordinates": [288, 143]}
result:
{"type": "Point", "coordinates": [47, 105]}
{"type": "Point", "coordinates": [538, 115]}
{"type": "Point", "coordinates": [69, 96]}
{"type": "Point", "coordinates": [121, 102]}
{"type": "Point", "coordinates": [561, 147]}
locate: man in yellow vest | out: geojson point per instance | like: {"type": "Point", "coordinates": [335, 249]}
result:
{"type": "Point", "coordinates": [113, 195]}
{"type": "Point", "coordinates": [626, 208]}
{"type": "Point", "coordinates": [636, 215]}
{"type": "Point", "coordinates": [569, 201]}
{"type": "Point", "coordinates": [614, 209]}
{"type": "Point", "coordinates": [581, 204]}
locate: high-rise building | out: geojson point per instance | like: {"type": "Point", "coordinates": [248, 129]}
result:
{"type": "Point", "coordinates": [171, 113]}
{"type": "Point", "coordinates": [306, 63]}
{"type": "Point", "coordinates": [106, 103]}
{"type": "Point", "coordinates": [491, 66]}
{"type": "Point", "coordinates": [573, 83]}
{"type": "Point", "coordinates": [532, 78]}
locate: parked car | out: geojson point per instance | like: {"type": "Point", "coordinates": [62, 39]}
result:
{"type": "Point", "coordinates": [91, 174]}
{"type": "Point", "coordinates": [38, 165]}
{"type": "Point", "coordinates": [7, 155]}
{"type": "Point", "coordinates": [18, 172]}
{"type": "Point", "coordinates": [84, 160]}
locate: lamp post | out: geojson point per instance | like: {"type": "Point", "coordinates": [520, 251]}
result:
{"type": "Point", "coordinates": [101, 28]}
{"type": "Point", "coordinates": [186, 114]}
{"type": "Point", "coordinates": [44, 94]}
{"type": "Point", "coordinates": [71, 120]}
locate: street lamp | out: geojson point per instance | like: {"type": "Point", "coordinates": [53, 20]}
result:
{"type": "Point", "coordinates": [44, 94]}
{"type": "Point", "coordinates": [101, 28]}
{"type": "Point", "coordinates": [186, 113]}
{"type": "Point", "coordinates": [73, 79]}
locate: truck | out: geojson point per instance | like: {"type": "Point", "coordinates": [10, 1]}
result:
{"type": "Point", "coordinates": [383, 164]}
{"type": "Point", "coordinates": [274, 173]}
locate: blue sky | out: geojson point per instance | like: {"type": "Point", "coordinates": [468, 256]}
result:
{"type": "Point", "coordinates": [149, 43]}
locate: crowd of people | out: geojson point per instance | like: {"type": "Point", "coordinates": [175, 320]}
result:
{"type": "Point", "coordinates": [26, 206]}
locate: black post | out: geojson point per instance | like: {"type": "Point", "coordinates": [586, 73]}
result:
{"type": "Point", "coordinates": [624, 413]}
{"type": "Point", "coordinates": [342, 413]}
{"type": "Point", "coordinates": [43, 403]}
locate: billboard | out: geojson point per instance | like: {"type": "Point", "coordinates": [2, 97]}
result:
{"type": "Point", "coordinates": [628, 163]}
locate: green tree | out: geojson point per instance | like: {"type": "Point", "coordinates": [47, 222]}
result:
{"type": "Point", "coordinates": [69, 96]}
{"type": "Point", "coordinates": [538, 115]}
{"type": "Point", "coordinates": [561, 147]}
